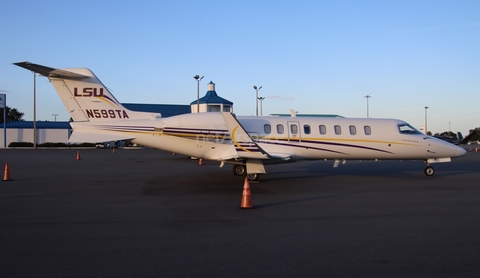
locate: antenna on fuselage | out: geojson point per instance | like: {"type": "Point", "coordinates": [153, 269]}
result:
{"type": "Point", "coordinates": [293, 114]}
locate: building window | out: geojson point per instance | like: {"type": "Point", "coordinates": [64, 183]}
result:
{"type": "Point", "coordinates": [306, 129]}
{"type": "Point", "coordinates": [212, 108]}
{"type": "Point", "coordinates": [367, 129]}
{"type": "Point", "coordinates": [280, 129]}
{"type": "Point", "coordinates": [294, 129]}
{"type": "Point", "coordinates": [353, 130]}
{"type": "Point", "coordinates": [322, 129]}
{"type": "Point", "coordinates": [338, 129]}
{"type": "Point", "coordinates": [267, 128]}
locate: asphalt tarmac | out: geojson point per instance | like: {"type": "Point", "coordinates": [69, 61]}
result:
{"type": "Point", "coordinates": [148, 213]}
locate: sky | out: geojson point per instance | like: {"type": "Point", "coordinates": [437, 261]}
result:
{"type": "Point", "coordinates": [316, 57]}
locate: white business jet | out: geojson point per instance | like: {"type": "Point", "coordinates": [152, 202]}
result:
{"type": "Point", "coordinates": [248, 143]}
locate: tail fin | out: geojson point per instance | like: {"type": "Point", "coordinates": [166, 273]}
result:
{"type": "Point", "coordinates": [84, 96]}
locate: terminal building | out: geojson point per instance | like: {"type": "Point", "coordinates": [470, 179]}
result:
{"type": "Point", "coordinates": [211, 102]}
{"type": "Point", "coordinates": [59, 132]}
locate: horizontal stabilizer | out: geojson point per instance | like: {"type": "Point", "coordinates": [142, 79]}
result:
{"type": "Point", "coordinates": [81, 136]}
{"type": "Point", "coordinates": [50, 72]}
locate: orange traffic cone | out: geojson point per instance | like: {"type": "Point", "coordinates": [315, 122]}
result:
{"type": "Point", "coordinates": [476, 149]}
{"type": "Point", "coordinates": [78, 155]}
{"type": "Point", "coordinates": [113, 150]}
{"type": "Point", "coordinates": [200, 162]}
{"type": "Point", "coordinates": [246, 195]}
{"type": "Point", "coordinates": [6, 175]}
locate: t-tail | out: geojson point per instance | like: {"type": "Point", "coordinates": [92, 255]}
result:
{"type": "Point", "coordinates": [84, 96]}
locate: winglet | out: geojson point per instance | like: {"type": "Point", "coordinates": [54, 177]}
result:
{"type": "Point", "coordinates": [244, 144]}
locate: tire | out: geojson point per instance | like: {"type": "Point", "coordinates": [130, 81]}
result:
{"type": "Point", "coordinates": [238, 170]}
{"type": "Point", "coordinates": [429, 171]}
{"type": "Point", "coordinates": [253, 177]}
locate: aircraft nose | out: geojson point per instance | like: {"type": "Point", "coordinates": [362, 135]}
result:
{"type": "Point", "coordinates": [459, 151]}
{"type": "Point", "coordinates": [454, 151]}
{"type": "Point", "coordinates": [449, 150]}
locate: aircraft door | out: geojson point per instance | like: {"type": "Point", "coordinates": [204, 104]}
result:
{"type": "Point", "coordinates": [294, 133]}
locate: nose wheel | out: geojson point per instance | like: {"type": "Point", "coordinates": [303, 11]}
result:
{"type": "Point", "coordinates": [429, 171]}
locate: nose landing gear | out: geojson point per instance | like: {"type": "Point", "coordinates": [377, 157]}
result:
{"type": "Point", "coordinates": [429, 171]}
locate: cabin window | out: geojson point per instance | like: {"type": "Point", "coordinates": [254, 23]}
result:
{"type": "Point", "coordinates": [280, 129]}
{"type": "Point", "coordinates": [338, 129]}
{"type": "Point", "coordinates": [294, 129]}
{"type": "Point", "coordinates": [353, 130]}
{"type": "Point", "coordinates": [267, 128]}
{"type": "Point", "coordinates": [306, 129]}
{"type": "Point", "coordinates": [367, 129]}
{"type": "Point", "coordinates": [322, 129]}
{"type": "Point", "coordinates": [408, 129]}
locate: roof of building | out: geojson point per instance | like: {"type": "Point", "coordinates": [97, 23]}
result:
{"type": "Point", "coordinates": [309, 115]}
{"type": "Point", "coordinates": [39, 125]}
{"type": "Point", "coordinates": [212, 97]}
{"type": "Point", "coordinates": [167, 110]}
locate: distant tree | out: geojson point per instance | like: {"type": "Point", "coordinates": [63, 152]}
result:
{"type": "Point", "coordinates": [13, 115]}
{"type": "Point", "coordinates": [475, 130]}
{"type": "Point", "coordinates": [449, 134]}
{"type": "Point", "coordinates": [474, 135]}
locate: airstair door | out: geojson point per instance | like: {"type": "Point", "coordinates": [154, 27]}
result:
{"type": "Point", "coordinates": [294, 133]}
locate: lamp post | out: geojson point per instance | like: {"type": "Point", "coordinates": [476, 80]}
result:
{"type": "Point", "coordinates": [198, 78]}
{"type": "Point", "coordinates": [256, 97]}
{"type": "Point", "coordinates": [261, 105]}
{"type": "Point", "coordinates": [367, 97]}
{"type": "Point", "coordinates": [426, 129]}
{"type": "Point", "coordinates": [55, 116]}
{"type": "Point", "coordinates": [34, 110]}
{"type": "Point", "coordinates": [3, 104]}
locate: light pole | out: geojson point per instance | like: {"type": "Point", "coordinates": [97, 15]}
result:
{"type": "Point", "coordinates": [256, 97]}
{"type": "Point", "coordinates": [261, 106]}
{"type": "Point", "coordinates": [198, 78]}
{"type": "Point", "coordinates": [34, 110]}
{"type": "Point", "coordinates": [367, 97]}
{"type": "Point", "coordinates": [55, 115]}
{"type": "Point", "coordinates": [3, 104]}
{"type": "Point", "coordinates": [426, 129]}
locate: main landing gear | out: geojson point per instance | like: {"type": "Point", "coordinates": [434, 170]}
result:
{"type": "Point", "coordinates": [240, 170]}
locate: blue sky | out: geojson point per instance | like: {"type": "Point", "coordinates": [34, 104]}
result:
{"type": "Point", "coordinates": [318, 57]}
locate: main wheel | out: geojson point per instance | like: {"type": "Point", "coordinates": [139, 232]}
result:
{"type": "Point", "coordinates": [238, 170]}
{"type": "Point", "coordinates": [253, 177]}
{"type": "Point", "coordinates": [429, 171]}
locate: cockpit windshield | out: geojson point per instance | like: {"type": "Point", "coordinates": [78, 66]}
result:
{"type": "Point", "coordinates": [408, 129]}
